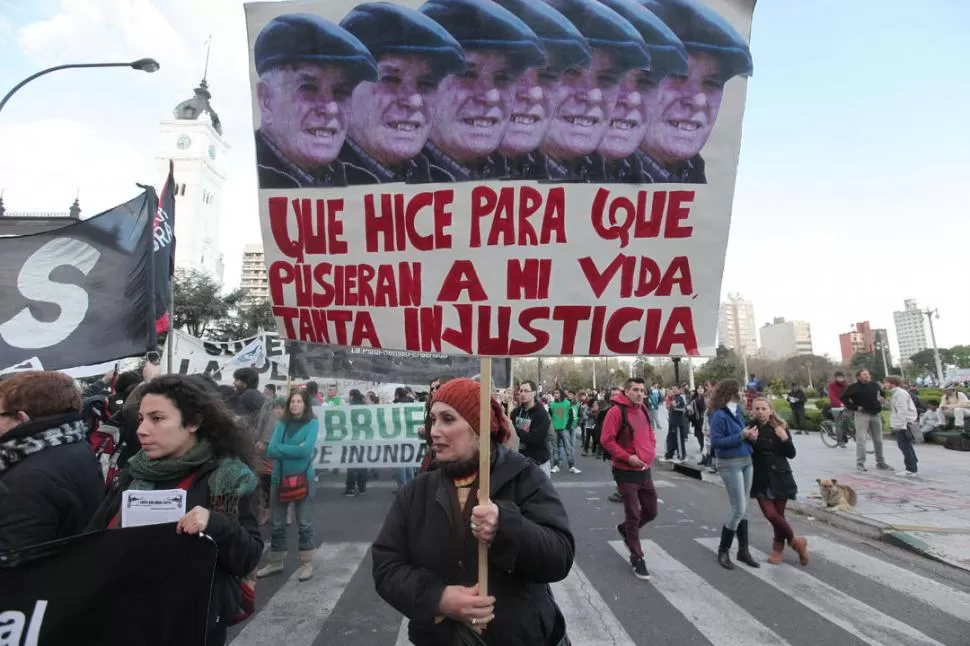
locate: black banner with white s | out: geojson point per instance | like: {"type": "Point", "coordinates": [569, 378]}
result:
{"type": "Point", "coordinates": [144, 585]}
{"type": "Point", "coordinates": [81, 294]}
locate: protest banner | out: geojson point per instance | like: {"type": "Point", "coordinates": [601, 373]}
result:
{"type": "Point", "coordinates": [360, 368]}
{"type": "Point", "coordinates": [84, 590]}
{"type": "Point", "coordinates": [369, 437]}
{"type": "Point", "coordinates": [81, 294]}
{"type": "Point", "coordinates": [432, 209]}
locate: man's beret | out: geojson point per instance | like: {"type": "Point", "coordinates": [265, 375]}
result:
{"type": "Point", "coordinates": [704, 30]}
{"type": "Point", "coordinates": [305, 38]}
{"type": "Point", "coordinates": [565, 46]}
{"type": "Point", "coordinates": [387, 28]}
{"type": "Point", "coordinates": [667, 54]}
{"type": "Point", "coordinates": [482, 24]}
{"type": "Point", "coordinates": [607, 30]}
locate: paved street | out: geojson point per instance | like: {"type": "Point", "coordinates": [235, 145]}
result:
{"type": "Point", "coordinates": [854, 591]}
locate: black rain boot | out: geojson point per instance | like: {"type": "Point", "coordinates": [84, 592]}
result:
{"type": "Point", "coordinates": [724, 549]}
{"type": "Point", "coordinates": [743, 554]}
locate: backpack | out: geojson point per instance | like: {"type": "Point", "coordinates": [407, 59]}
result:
{"type": "Point", "coordinates": [625, 421]}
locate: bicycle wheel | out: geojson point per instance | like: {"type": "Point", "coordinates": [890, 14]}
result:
{"type": "Point", "coordinates": [827, 432]}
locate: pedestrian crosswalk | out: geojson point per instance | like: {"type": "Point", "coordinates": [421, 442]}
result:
{"type": "Point", "coordinates": [845, 595]}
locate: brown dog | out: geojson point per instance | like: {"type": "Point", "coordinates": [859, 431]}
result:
{"type": "Point", "coordinates": [841, 497]}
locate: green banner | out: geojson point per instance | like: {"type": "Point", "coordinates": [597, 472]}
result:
{"type": "Point", "coordinates": [370, 437]}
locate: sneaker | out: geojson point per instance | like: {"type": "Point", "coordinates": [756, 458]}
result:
{"type": "Point", "coordinates": [361, 492]}
{"type": "Point", "coordinates": [906, 474]}
{"type": "Point", "coordinates": [585, 454]}
{"type": "Point", "coordinates": [615, 497]}
{"type": "Point", "coordinates": [554, 470]}
{"type": "Point", "coordinates": [861, 467]}
{"type": "Point", "coordinates": [665, 459]}
{"type": "Point", "coordinates": [349, 493]}
{"type": "Point", "coordinates": [573, 469]}
{"type": "Point", "coordinates": [640, 570]}
{"type": "Point", "coordinates": [884, 467]}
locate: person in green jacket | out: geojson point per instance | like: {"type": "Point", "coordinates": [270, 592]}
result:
{"type": "Point", "coordinates": [292, 447]}
{"type": "Point", "coordinates": [563, 423]}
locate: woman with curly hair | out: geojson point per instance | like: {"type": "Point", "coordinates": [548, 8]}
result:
{"type": "Point", "coordinates": [731, 443]}
{"type": "Point", "coordinates": [190, 440]}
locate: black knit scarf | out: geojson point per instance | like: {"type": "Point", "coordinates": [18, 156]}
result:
{"type": "Point", "coordinates": [38, 435]}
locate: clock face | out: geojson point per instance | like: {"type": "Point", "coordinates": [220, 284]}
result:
{"type": "Point", "coordinates": [212, 151]}
{"type": "Point", "coordinates": [183, 142]}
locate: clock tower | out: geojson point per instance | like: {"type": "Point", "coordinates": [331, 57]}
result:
{"type": "Point", "coordinates": [193, 140]}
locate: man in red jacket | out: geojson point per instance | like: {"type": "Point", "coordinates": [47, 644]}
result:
{"type": "Point", "coordinates": [835, 390]}
{"type": "Point", "coordinates": [629, 439]}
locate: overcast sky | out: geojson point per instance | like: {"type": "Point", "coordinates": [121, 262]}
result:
{"type": "Point", "coordinates": [848, 188]}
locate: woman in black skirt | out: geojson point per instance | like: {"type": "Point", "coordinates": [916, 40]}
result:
{"type": "Point", "coordinates": [773, 484]}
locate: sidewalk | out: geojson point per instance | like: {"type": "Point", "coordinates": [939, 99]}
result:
{"type": "Point", "coordinates": [928, 514]}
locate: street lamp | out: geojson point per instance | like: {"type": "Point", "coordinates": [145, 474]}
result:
{"type": "Point", "coordinates": [148, 65]}
{"type": "Point", "coordinates": [936, 351]}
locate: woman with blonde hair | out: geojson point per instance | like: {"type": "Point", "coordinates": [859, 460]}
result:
{"type": "Point", "coordinates": [773, 484]}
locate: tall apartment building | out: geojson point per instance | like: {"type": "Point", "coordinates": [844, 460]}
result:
{"type": "Point", "coordinates": [910, 326]}
{"type": "Point", "coordinates": [863, 338]}
{"type": "Point", "coordinates": [254, 278]}
{"type": "Point", "coordinates": [782, 339]}
{"type": "Point", "coordinates": [736, 327]}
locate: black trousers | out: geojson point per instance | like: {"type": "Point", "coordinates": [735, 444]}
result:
{"type": "Point", "coordinates": [677, 430]}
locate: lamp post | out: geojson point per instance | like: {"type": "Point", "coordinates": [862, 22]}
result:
{"type": "Point", "coordinates": [143, 64]}
{"type": "Point", "coordinates": [936, 351]}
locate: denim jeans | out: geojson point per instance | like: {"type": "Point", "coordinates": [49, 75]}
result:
{"type": "Point", "coordinates": [405, 475]}
{"type": "Point", "coordinates": [304, 521]}
{"type": "Point", "coordinates": [737, 481]}
{"type": "Point", "coordinates": [564, 444]}
{"type": "Point", "coordinates": [906, 448]}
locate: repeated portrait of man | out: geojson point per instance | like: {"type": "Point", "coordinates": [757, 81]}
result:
{"type": "Point", "coordinates": [588, 95]}
{"type": "Point", "coordinates": [628, 125]}
{"type": "Point", "coordinates": [391, 118]}
{"type": "Point", "coordinates": [537, 95]}
{"type": "Point", "coordinates": [469, 90]}
{"type": "Point", "coordinates": [683, 109]}
{"type": "Point", "coordinates": [308, 68]}
{"type": "Point", "coordinates": [475, 107]}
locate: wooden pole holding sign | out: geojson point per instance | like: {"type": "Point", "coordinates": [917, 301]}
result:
{"type": "Point", "coordinates": [484, 461]}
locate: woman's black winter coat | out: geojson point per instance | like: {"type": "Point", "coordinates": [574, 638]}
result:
{"type": "Point", "coordinates": [771, 468]}
{"type": "Point", "coordinates": [417, 554]}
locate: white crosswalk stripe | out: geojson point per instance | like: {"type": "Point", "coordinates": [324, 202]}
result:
{"type": "Point", "coordinates": [855, 617]}
{"type": "Point", "coordinates": [296, 613]}
{"type": "Point", "coordinates": [711, 612]}
{"type": "Point", "coordinates": [932, 593]}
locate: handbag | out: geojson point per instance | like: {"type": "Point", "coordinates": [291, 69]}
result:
{"type": "Point", "coordinates": [293, 488]}
{"type": "Point", "coordinates": [914, 433]}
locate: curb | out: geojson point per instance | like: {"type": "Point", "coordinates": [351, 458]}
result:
{"type": "Point", "coordinates": [853, 523]}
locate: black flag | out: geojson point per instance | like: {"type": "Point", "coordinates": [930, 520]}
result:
{"type": "Point", "coordinates": [165, 252]}
{"type": "Point", "coordinates": [81, 294]}
{"type": "Point", "coordinates": [143, 585]}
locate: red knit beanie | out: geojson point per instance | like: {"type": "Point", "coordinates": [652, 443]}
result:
{"type": "Point", "coordinates": [464, 396]}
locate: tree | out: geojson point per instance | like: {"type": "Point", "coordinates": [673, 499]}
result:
{"type": "Point", "coordinates": [726, 365]}
{"type": "Point", "coordinates": [247, 322]}
{"type": "Point", "coordinates": [925, 360]}
{"type": "Point", "coordinates": [959, 354]}
{"type": "Point", "coordinates": [797, 369]}
{"type": "Point", "coordinates": [199, 302]}
{"type": "Point", "coordinates": [643, 368]}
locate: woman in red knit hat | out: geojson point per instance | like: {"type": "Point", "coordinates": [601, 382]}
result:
{"type": "Point", "coordinates": [425, 557]}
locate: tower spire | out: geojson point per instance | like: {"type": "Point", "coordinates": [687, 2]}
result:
{"type": "Point", "coordinates": [208, 49]}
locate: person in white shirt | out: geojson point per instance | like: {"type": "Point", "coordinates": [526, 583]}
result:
{"type": "Point", "coordinates": [932, 419]}
{"type": "Point", "coordinates": [902, 413]}
{"type": "Point", "coordinates": [955, 406]}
